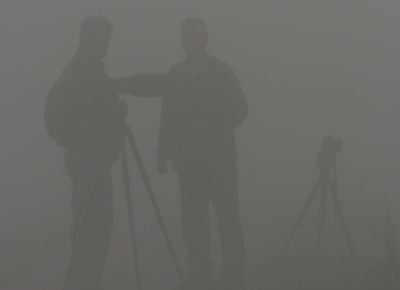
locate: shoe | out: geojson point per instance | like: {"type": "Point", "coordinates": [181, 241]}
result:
{"type": "Point", "coordinates": [193, 283]}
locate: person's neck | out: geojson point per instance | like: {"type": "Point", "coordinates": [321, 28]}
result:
{"type": "Point", "coordinates": [197, 60]}
{"type": "Point", "coordinates": [89, 53]}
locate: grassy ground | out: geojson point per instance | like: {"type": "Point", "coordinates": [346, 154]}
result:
{"type": "Point", "coordinates": [303, 273]}
{"type": "Point", "coordinates": [293, 273]}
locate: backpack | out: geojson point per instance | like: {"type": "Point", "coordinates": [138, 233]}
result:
{"type": "Point", "coordinates": [62, 107]}
{"type": "Point", "coordinates": [55, 118]}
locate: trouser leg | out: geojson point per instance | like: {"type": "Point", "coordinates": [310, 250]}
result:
{"type": "Point", "coordinates": [195, 224]}
{"type": "Point", "coordinates": [224, 198]}
{"type": "Point", "coordinates": [92, 216]}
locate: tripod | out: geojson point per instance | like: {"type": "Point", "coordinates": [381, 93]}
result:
{"type": "Point", "coordinates": [126, 179]}
{"type": "Point", "coordinates": [145, 178]}
{"type": "Point", "coordinates": [326, 159]}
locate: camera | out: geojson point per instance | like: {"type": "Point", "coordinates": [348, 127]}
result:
{"type": "Point", "coordinates": [326, 155]}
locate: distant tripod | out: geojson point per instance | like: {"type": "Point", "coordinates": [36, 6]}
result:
{"type": "Point", "coordinates": [145, 178]}
{"type": "Point", "coordinates": [325, 161]}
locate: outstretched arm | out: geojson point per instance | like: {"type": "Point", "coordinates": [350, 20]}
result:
{"type": "Point", "coordinates": [142, 85]}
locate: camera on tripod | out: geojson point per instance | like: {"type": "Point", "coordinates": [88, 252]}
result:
{"type": "Point", "coordinates": [326, 155]}
{"type": "Point", "coordinates": [326, 159]}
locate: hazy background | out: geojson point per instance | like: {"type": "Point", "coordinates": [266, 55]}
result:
{"type": "Point", "coordinates": [308, 68]}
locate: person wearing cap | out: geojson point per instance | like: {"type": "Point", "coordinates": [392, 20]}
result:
{"type": "Point", "coordinates": [196, 135]}
{"type": "Point", "coordinates": [84, 115]}
{"type": "Point", "coordinates": [92, 118]}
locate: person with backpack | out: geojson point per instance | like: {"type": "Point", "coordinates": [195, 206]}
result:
{"type": "Point", "coordinates": [84, 115]}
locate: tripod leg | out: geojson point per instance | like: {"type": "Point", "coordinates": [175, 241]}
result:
{"type": "Point", "coordinates": [336, 202]}
{"type": "Point", "coordinates": [145, 178]}
{"type": "Point", "coordinates": [297, 224]}
{"type": "Point", "coordinates": [126, 180]}
{"type": "Point", "coordinates": [322, 217]}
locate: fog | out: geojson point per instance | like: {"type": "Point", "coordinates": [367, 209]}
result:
{"type": "Point", "coordinates": [308, 68]}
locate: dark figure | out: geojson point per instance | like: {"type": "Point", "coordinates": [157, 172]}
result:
{"type": "Point", "coordinates": [196, 134]}
{"type": "Point", "coordinates": [84, 114]}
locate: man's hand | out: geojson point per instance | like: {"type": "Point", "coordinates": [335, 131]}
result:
{"type": "Point", "coordinates": [162, 165]}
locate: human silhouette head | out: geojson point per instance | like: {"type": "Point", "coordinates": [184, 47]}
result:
{"type": "Point", "coordinates": [95, 34]}
{"type": "Point", "coordinates": [194, 37]}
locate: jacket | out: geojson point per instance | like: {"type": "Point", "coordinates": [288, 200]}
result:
{"type": "Point", "coordinates": [199, 116]}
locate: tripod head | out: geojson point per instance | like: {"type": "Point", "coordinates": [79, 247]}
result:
{"type": "Point", "coordinates": [327, 154]}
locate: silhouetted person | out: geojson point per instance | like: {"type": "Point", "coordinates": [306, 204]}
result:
{"type": "Point", "coordinates": [84, 114]}
{"type": "Point", "coordinates": [196, 134]}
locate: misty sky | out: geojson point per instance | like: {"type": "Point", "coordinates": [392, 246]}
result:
{"type": "Point", "coordinates": [308, 69]}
